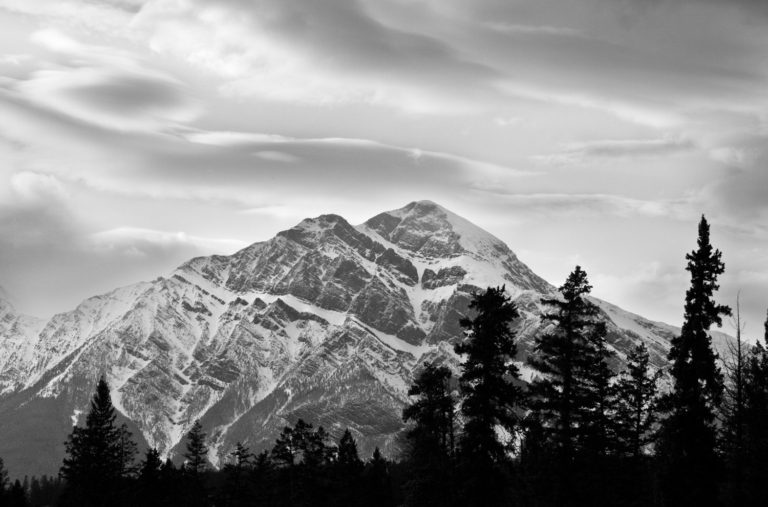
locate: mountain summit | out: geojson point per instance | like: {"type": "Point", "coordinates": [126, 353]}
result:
{"type": "Point", "coordinates": [326, 321]}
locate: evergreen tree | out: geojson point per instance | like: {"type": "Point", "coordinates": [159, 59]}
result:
{"type": "Point", "coordinates": [378, 482]}
{"type": "Point", "coordinates": [99, 455]}
{"type": "Point", "coordinates": [301, 452]}
{"type": "Point", "coordinates": [755, 486]}
{"type": "Point", "coordinates": [348, 471]}
{"type": "Point", "coordinates": [636, 391]}
{"type": "Point", "coordinates": [284, 451]}
{"type": "Point", "coordinates": [433, 411]}
{"type": "Point", "coordinates": [490, 384]}
{"type": "Point", "coordinates": [688, 430]}
{"type": "Point", "coordinates": [348, 458]}
{"type": "Point", "coordinates": [149, 481]}
{"type": "Point", "coordinates": [195, 465]}
{"type": "Point", "coordinates": [197, 451]}
{"type": "Point", "coordinates": [15, 496]}
{"type": "Point", "coordinates": [263, 479]}
{"type": "Point", "coordinates": [429, 438]}
{"type": "Point", "coordinates": [570, 396]}
{"type": "Point", "coordinates": [572, 399]}
{"type": "Point", "coordinates": [236, 474]}
{"type": "Point", "coordinates": [3, 479]}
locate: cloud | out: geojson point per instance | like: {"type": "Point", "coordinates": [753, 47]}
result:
{"type": "Point", "coordinates": [108, 87]}
{"type": "Point", "coordinates": [134, 241]}
{"type": "Point", "coordinates": [588, 205]}
{"type": "Point", "coordinates": [615, 148]}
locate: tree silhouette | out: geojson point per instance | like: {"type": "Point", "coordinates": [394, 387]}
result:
{"type": "Point", "coordinates": [490, 384]}
{"type": "Point", "coordinates": [429, 453]}
{"type": "Point", "coordinates": [688, 430]}
{"type": "Point", "coordinates": [99, 455]}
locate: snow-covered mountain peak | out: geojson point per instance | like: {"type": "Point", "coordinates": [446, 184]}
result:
{"type": "Point", "coordinates": [431, 231]}
{"type": "Point", "coordinates": [325, 321]}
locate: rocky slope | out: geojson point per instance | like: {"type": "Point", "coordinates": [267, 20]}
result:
{"type": "Point", "coordinates": [325, 321]}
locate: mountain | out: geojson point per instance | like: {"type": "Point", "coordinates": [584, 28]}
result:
{"type": "Point", "coordinates": [326, 321]}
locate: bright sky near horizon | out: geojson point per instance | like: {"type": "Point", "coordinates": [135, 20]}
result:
{"type": "Point", "coordinates": [135, 134]}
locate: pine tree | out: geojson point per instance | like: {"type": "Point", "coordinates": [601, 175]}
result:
{"type": "Point", "coordinates": [755, 428]}
{"type": "Point", "coordinates": [197, 451]}
{"type": "Point", "coordinates": [348, 472]}
{"type": "Point", "coordinates": [572, 399]}
{"type": "Point", "coordinates": [3, 478]}
{"type": "Point", "coordinates": [263, 476]}
{"type": "Point", "coordinates": [15, 496]}
{"type": "Point", "coordinates": [571, 396]}
{"type": "Point", "coordinates": [688, 430]}
{"type": "Point", "coordinates": [433, 410]}
{"type": "Point", "coordinates": [348, 458]}
{"type": "Point", "coordinates": [236, 473]}
{"type": "Point", "coordinates": [490, 385]}
{"type": "Point", "coordinates": [99, 455]}
{"type": "Point", "coordinates": [149, 480]}
{"type": "Point", "coordinates": [284, 451]}
{"type": "Point", "coordinates": [378, 482]}
{"type": "Point", "coordinates": [636, 391]}
{"type": "Point", "coordinates": [429, 438]}
{"type": "Point", "coordinates": [489, 378]}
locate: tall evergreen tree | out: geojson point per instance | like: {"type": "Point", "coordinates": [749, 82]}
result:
{"type": "Point", "coordinates": [434, 408]}
{"type": "Point", "coordinates": [3, 478]}
{"type": "Point", "coordinates": [236, 484]}
{"type": "Point", "coordinates": [688, 430]}
{"type": "Point", "coordinates": [378, 482]}
{"type": "Point", "coordinates": [490, 379]}
{"type": "Point", "coordinates": [755, 486]}
{"type": "Point", "coordinates": [149, 481]}
{"type": "Point", "coordinates": [490, 384]}
{"type": "Point", "coordinates": [429, 452]}
{"type": "Point", "coordinates": [347, 453]}
{"type": "Point", "coordinates": [197, 451]}
{"type": "Point", "coordinates": [348, 470]}
{"type": "Point", "coordinates": [16, 496]}
{"type": "Point", "coordinates": [636, 391]}
{"type": "Point", "coordinates": [572, 398]}
{"type": "Point", "coordinates": [99, 455]}
{"type": "Point", "coordinates": [195, 465]}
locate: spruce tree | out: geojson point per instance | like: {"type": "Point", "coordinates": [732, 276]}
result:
{"type": "Point", "coordinates": [348, 472]}
{"type": "Point", "coordinates": [490, 379]}
{"type": "Point", "coordinates": [636, 391]}
{"type": "Point", "coordinates": [378, 482]}
{"type": "Point", "coordinates": [572, 397]}
{"type": "Point", "coordinates": [99, 455]}
{"type": "Point", "coordinates": [755, 416]}
{"type": "Point", "coordinates": [236, 472]}
{"type": "Point", "coordinates": [15, 496]}
{"type": "Point", "coordinates": [284, 450]}
{"type": "Point", "coordinates": [688, 430]}
{"type": "Point", "coordinates": [3, 478]}
{"type": "Point", "coordinates": [429, 452]}
{"type": "Point", "coordinates": [197, 451]}
{"type": "Point", "coordinates": [195, 466]}
{"type": "Point", "coordinates": [490, 385]}
{"type": "Point", "coordinates": [149, 478]}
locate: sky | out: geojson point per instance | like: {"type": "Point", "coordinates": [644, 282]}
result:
{"type": "Point", "coordinates": [136, 134]}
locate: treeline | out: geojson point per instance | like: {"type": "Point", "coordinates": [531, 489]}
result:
{"type": "Point", "coordinates": [575, 433]}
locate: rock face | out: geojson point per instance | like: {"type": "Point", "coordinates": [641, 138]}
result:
{"type": "Point", "coordinates": [325, 321]}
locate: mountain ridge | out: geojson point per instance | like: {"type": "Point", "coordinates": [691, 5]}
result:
{"type": "Point", "coordinates": [325, 321]}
